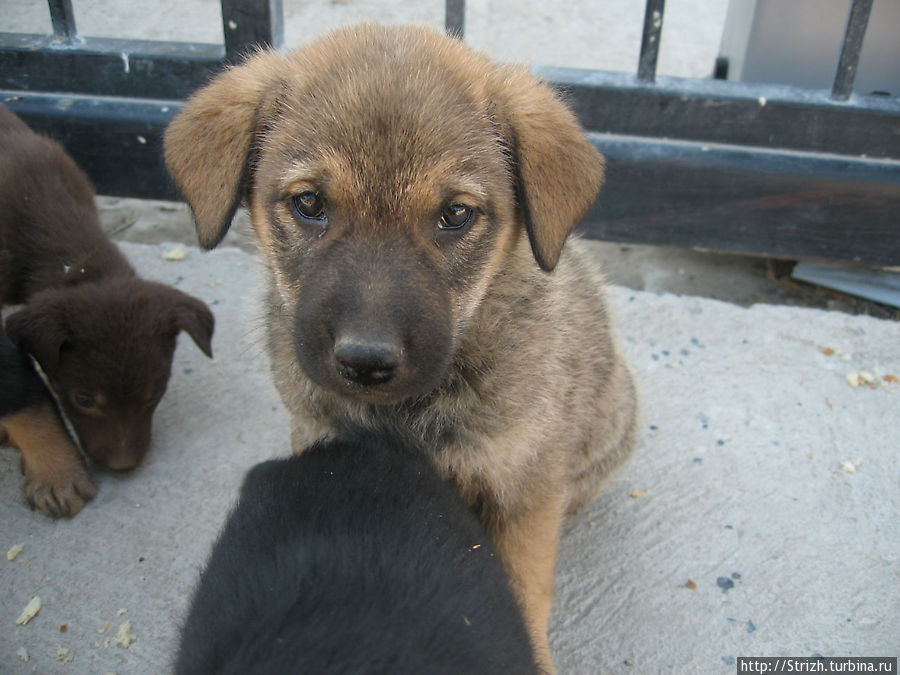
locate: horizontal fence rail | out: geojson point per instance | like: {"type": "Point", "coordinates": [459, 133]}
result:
{"type": "Point", "coordinates": [132, 69]}
{"type": "Point", "coordinates": [703, 163]}
{"type": "Point", "coordinates": [748, 200]}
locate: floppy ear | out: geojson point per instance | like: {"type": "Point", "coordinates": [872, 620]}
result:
{"type": "Point", "coordinates": [558, 172]}
{"type": "Point", "coordinates": [194, 317]}
{"type": "Point", "coordinates": [40, 330]}
{"type": "Point", "coordinates": [208, 145]}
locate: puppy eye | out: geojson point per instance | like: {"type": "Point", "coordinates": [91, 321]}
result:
{"type": "Point", "coordinates": [456, 217]}
{"type": "Point", "coordinates": [309, 205]}
{"type": "Point", "coordinates": [83, 400]}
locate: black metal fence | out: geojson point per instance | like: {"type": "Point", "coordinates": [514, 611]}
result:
{"type": "Point", "coordinates": [703, 163]}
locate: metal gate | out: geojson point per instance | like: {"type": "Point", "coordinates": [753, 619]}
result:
{"type": "Point", "coordinates": [703, 163]}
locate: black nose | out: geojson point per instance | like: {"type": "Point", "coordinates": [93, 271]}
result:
{"type": "Point", "coordinates": [366, 363]}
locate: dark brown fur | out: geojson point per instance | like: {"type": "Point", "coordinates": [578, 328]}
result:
{"type": "Point", "coordinates": [489, 343]}
{"type": "Point", "coordinates": [103, 337]}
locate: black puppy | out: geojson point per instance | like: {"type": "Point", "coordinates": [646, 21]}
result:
{"type": "Point", "coordinates": [353, 557]}
{"type": "Point", "coordinates": [56, 479]}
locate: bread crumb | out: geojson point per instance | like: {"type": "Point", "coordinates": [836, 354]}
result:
{"type": "Point", "coordinates": [870, 379]}
{"type": "Point", "coordinates": [124, 636]}
{"type": "Point", "coordinates": [827, 351]}
{"type": "Point", "coordinates": [64, 655]}
{"type": "Point", "coordinates": [31, 610]}
{"type": "Point", "coordinates": [851, 467]}
{"type": "Point", "coordinates": [175, 255]}
{"type": "Point", "coordinates": [691, 584]}
{"type": "Point", "coordinates": [637, 494]}
{"type": "Point", "coordinates": [14, 552]}
{"type": "Point", "coordinates": [105, 628]}
{"type": "Point", "coordinates": [22, 653]}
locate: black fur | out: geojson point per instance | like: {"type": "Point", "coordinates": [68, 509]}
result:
{"type": "Point", "coordinates": [353, 557]}
{"type": "Point", "coordinates": [20, 385]}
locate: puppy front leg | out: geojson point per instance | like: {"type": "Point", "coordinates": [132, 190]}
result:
{"type": "Point", "coordinates": [528, 545]}
{"type": "Point", "coordinates": [56, 480]}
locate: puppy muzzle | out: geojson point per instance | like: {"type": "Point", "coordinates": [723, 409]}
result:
{"type": "Point", "coordinates": [367, 362]}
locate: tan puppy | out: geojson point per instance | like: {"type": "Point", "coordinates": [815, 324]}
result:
{"type": "Point", "coordinates": [412, 200]}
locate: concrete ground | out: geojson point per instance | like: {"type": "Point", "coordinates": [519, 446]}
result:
{"type": "Point", "coordinates": [758, 516]}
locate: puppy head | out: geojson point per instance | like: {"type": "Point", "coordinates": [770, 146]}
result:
{"type": "Point", "coordinates": [389, 172]}
{"type": "Point", "coordinates": [107, 351]}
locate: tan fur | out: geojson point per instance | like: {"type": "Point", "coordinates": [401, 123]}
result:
{"type": "Point", "coordinates": [56, 479]}
{"type": "Point", "coordinates": [508, 371]}
{"type": "Point", "coordinates": [528, 546]}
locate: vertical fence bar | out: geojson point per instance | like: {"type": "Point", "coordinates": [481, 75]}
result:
{"type": "Point", "coordinates": [653, 21]}
{"type": "Point", "coordinates": [62, 17]}
{"type": "Point", "coordinates": [851, 49]}
{"type": "Point", "coordinates": [249, 23]}
{"type": "Point", "coordinates": [455, 18]}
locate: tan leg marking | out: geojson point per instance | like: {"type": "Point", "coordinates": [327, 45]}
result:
{"type": "Point", "coordinates": [56, 480]}
{"type": "Point", "coordinates": [528, 546]}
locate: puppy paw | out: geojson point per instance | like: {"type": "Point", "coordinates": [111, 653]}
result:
{"type": "Point", "coordinates": [56, 480]}
{"type": "Point", "coordinates": [59, 494]}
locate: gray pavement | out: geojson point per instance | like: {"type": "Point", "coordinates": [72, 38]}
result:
{"type": "Point", "coordinates": [757, 517]}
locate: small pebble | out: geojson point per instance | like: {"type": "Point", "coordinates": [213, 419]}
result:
{"type": "Point", "coordinates": [725, 584]}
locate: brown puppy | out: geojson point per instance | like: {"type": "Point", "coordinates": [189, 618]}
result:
{"type": "Point", "coordinates": [412, 201]}
{"type": "Point", "coordinates": [103, 337]}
